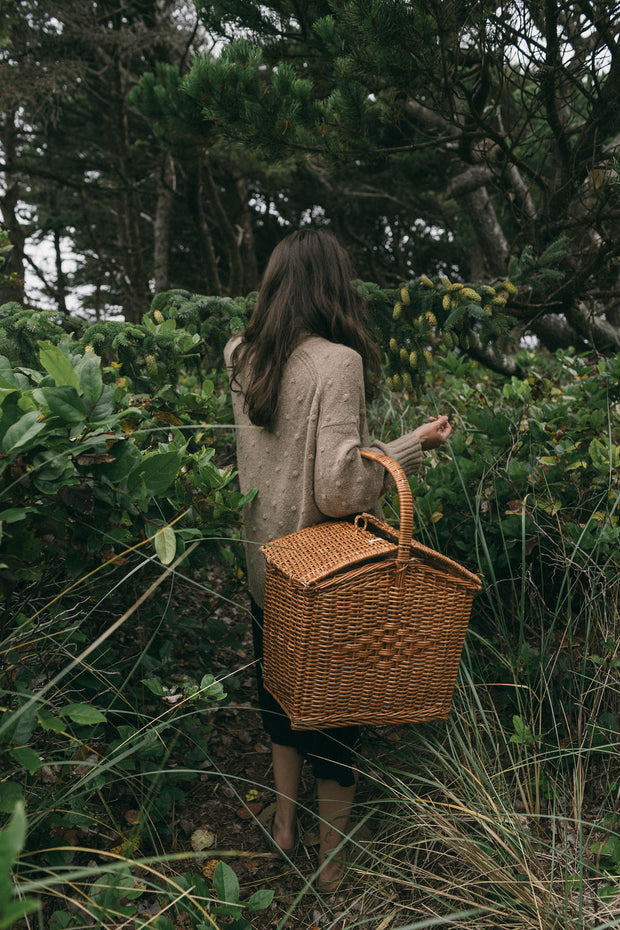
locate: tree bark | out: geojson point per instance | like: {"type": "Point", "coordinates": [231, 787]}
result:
{"type": "Point", "coordinates": [163, 219]}
{"type": "Point", "coordinates": [496, 361]}
{"type": "Point", "coordinates": [227, 230]}
{"type": "Point", "coordinates": [133, 281]}
{"type": "Point", "coordinates": [248, 249]}
{"type": "Point", "coordinates": [555, 333]}
{"type": "Point", "coordinates": [61, 281]}
{"type": "Point", "coordinates": [14, 265]}
{"type": "Point", "coordinates": [195, 201]}
{"type": "Point", "coordinates": [594, 329]}
{"type": "Point", "coordinates": [469, 181]}
{"type": "Point", "coordinates": [478, 207]}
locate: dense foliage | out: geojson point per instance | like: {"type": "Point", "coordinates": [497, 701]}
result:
{"type": "Point", "coordinates": [115, 454]}
{"type": "Point", "coordinates": [453, 135]}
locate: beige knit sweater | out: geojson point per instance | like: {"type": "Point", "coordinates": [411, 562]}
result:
{"type": "Point", "coordinates": [309, 467]}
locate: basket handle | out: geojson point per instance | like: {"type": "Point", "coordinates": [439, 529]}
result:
{"type": "Point", "coordinates": [405, 500]}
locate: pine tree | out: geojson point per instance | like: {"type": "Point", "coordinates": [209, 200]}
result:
{"type": "Point", "coordinates": [140, 213]}
{"type": "Point", "coordinates": [443, 114]}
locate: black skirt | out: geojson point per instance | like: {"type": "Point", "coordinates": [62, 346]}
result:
{"type": "Point", "coordinates": [330, 752]}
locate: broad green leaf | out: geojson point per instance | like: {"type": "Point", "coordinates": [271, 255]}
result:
{"type": "Point", "coordinates": [261, 899]}
{"type": "Point", "coordinates": [15, 910]}
{"type": "Point", "coordinates": [13, 837]}
{"type": "Point", "coordinates": [158, 471]}
{"type": "Point", "coordinates": [13, 515]}
{"type": "Point", "coordinates": [609, 893]}
{"type": "Point", "coordinates": [83, 714]}
{"type": "Point", "coordinates": [226, 883]}
{"type": "Point", "coordinates": [10, 795]}
{"type": "Point", "coordinates": [7, 373]}
{"type": "Point", "coordinates": [21, 432]}
{"type": "Point", "coordinates": [6, 388]}
{"type": "Point", "coordinates": [127, 459]}
{"type": "Point", "coordinates": [50, 721]}
{"type": "Point", "coordinates": [165, 545]}
{"type": "Point", "coordinates": [60, 920]}
{"type": "Point", "coordinates": [91, 381]}
{"type": "Point", "coordinates": [164, 923]}
{"type": "Point", "coordinates": [66, 403]}
{"type": "Point", "coordinates": [611, 848]}
{"type": "Point", "coordinates": [104, 408]}
{"type": "Point", "coordinates": [211, 688]}
{"type": "Point", "coordinates": [27, 758]}
{"type": "Point", "coordinates": [154, 685]}
{"type": "Point", "coordinates": [33, 374]}
{"type": "Point", "coordinates": [58, 366]}
{"type": "Point", "coordinates": [599, 453]}
{"type": "Point", "coordinates": [21, 722]}
{"type": "Point", "coordinates": [54, 466]}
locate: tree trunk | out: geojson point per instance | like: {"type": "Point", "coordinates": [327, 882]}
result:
{"type": "Point", "coordinates": [206, 252]}
{"type": "Point", "coordinates": [133, 282]}
{"type": "Point", "coordinates": [61, 282]}
{"type": "Point", "coordinates": [14, 265]}
{"type": "Point", "coordinates": [227, 230]}
{"type": "Point", "coordinates": [163, 219]}
{"type": "Point", "coordinates": [248, 249]}
{"type": "Point", "coordinates": [478, 207]}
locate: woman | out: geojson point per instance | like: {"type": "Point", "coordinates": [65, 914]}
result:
{"type": "Point", "coordinates": [300, 375]}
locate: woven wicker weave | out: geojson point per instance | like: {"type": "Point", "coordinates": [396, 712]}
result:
{"type": "Point", "coordinates": [363, 625]}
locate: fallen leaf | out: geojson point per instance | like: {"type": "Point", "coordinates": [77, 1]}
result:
{"type": "Point", "coordinates": [252, 865]}
{"type": "Point", "coordinates": [128, 847]}
{"type": "Point", "coordinates": [209, 867]}
{"type": "Point", "coordinates": [514, 507]}
{"type": "Point", "coordinates": [252, 809]}
{"type": "Point", "coordinates": [202, 839]}
{"type": "Point", "coordinates": [47, 775]}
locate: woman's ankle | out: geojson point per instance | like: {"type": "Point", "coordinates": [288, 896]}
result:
{"type": "Point", "coordinates": [331, 870]}
{"type": "Point", "coordinates": [283, 830]}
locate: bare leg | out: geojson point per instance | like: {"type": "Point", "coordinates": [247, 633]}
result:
{"type": "Point", "coordinates": [287, 765]}
{"type": "Point", "coordinates": [334, 811]}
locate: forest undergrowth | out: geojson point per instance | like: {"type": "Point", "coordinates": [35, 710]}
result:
{"type": "Point", "coordinates": [136, 786]}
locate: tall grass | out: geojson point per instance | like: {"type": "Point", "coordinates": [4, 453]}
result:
{"type": "Point", "coordinates": [508, 814]}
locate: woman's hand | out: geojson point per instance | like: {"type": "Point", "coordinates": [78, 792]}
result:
{"type": "Point", "coordinates": [434, 433]}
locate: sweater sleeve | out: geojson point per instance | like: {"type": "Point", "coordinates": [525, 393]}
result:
{"type": "Point", "coordinates": [406, 450]}
{"type": "Point", "coordinates": [344, 482]}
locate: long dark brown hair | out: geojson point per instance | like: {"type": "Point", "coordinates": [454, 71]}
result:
{"type": "Point", "coordinates": [306, 290]}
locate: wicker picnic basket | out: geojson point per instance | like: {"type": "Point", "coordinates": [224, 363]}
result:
{"type": "Point", "coordinates": [363, 625]}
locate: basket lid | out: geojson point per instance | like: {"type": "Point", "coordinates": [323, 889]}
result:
{"type": "Point", "coordinates": [316, 552]}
